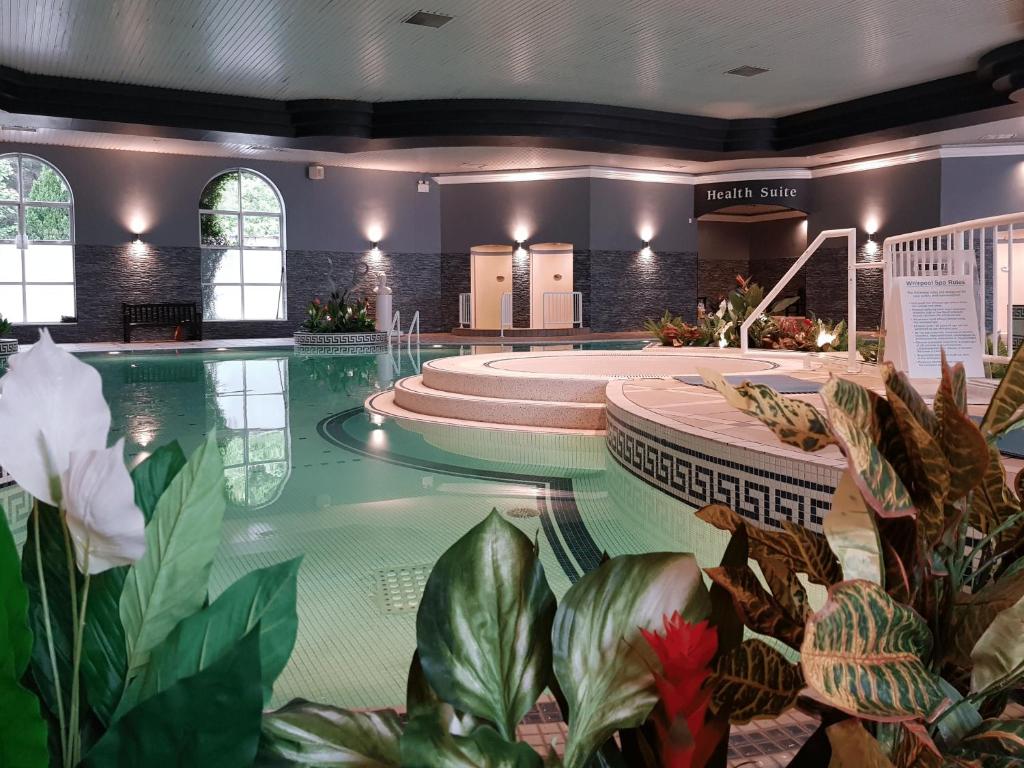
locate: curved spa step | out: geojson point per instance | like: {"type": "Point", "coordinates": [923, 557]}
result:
{"type": "Point", "coordinates": [413, 394]}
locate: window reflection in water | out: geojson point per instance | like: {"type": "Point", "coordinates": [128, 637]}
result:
{"type": "Point", "coordinates": [251, 401]}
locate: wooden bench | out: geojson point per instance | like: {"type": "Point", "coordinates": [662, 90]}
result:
{"type": "Point", "coordinates": [164, 315]}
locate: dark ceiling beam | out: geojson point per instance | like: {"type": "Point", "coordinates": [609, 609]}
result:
{"type": "Point", "coordinates": [347, 126]}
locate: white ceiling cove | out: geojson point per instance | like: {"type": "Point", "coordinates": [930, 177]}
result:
{"type": "Point", "coordinates": [654, 54]}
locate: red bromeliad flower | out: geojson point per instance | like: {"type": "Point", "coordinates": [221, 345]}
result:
{"type": "Point", "coordinates": [685, 651]}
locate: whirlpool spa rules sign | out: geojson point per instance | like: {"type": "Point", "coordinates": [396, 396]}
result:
{"type": "Point", "coordinates": [791, 193]}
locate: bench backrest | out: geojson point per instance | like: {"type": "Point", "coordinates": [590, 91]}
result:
{"type": "Point", "coordinates": [160, 313]}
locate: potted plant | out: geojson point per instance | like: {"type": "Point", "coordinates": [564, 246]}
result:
{"type": "Point", "coordinates": [339, 323]}
{"type": "Point", "coordinates": [8, 344]}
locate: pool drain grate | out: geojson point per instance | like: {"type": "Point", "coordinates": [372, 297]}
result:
{"type": "Point", "coordinates": [399, 589]}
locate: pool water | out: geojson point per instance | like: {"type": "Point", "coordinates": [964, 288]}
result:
{"type": "Point", "coordinates": [371, 508]}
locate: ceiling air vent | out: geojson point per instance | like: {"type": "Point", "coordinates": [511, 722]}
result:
{"type": "Point", "coordinates": [427, 19]}
{"type": "Point", "coordinates": [747, 71]}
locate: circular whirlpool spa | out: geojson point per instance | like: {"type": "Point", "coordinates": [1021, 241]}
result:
{"type": "Point", "coordinates": [625, 365]}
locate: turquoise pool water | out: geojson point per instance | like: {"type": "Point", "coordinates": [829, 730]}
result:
{"type": "Point", "coordinates": [371, 508]}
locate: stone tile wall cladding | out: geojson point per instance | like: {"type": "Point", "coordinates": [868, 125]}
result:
{"type": "Point", "coordinates": [626, 287]}
{"type": "Point", "coordinates": [826, 288]}
{"type": "Point", "coordinates": [106, 276]}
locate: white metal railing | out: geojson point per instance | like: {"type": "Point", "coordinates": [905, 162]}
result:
{"type": "Point", "coordinates": [414, 328]}
{"type": "Point", "coordinates": [561, 308]}
{"type": "Point", "coordinates": [395, 329]}
{"type": "Point", "coordinates": [851, 257]}
{"type": "Point", "coordinates": [466, 310]}
{"type": "Point", "coordinates": [506, 312]}
{"type": "Point", "coordinates": [984, 248]}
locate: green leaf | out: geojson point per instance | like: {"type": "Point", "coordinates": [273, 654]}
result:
{"type": "Point", "coordinates": [992, 502]}
{"type": "Point", "coordinates": [321, 736]}
{"type": "Point", "coordinates": [863, 652]}
{"type": "Point", "coordinates": [754, 680]}
{"type": "Point", "coordinates": [798, 548]}
{"type": "Point", "coordinates": [759, 609]}
{"type": "Point", "coordinates": [997, 737]}
{"type": "Point", "coordinates": [853, 747]}
{"type": "Point", "coordinates": [104, 655]}
{"type": "Point", "coordinates": [265, 597]}
{"type": "Point", "coordinates": [1006, 408]}
{"type": "Point", "coordinates": [170, 581]}
{"type": "Point", "coordinates": [852, 423]}
{"type": "Point", "coordinates": [50, 542]}
{"type": "Point", "coordinates": [484, 624]}
{"type": "Point", "coordinates": [23, 733]}
{"type": "Point", "coordinates": [427, 743]}
{"type": "Point", "coordinates": [600, 660]}
{"type": "Point", "coordinates": [152, 477]}
{"type": "Point", "coordinates": [998, 655]}
{"type": "Point", "coordinates": [794, 422]}
{"type": "Point", "coordinates": [418, 693]}
{"type": "Point", "coordinates": [897, 382]}
{"type": "Point", "coordinates": [209, 720]}
{"type": "Point", "coordinates": [852, 533]}
{"type": "Point", "coordinates": [961, 441]}
{"type": "Point", "coordinates": [16, 651]}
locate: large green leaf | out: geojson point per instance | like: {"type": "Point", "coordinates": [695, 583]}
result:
{"type": "Point", "coordinates": [104, 655]}
{"type": "Point", "coordinates": [209, 720]}
{"type": "Point", "coordinates": [153, 476]}
{"type": "Point", "coordinates": [992, 502]}
{"type": "Point", "coordinates": [418, 693]}
{"type": "Point", "coordinates": [427, 743]}
{"type": "Point", "coordinates": [321, 736]}
{"type": "Point", "coordinates": [897, 382]}
{"type": "Point", "coordinates": [22, 729]}
{"type": "Point", "coordinates": [800, 549]}
{"type": "Point", "coordinates": [998, 655]}
{"type": "Point", "coordinates": [852, 533]}
{"type": "Point", "coordinates": [265, 597]}
{"type": "Point", "coordinates": [754, 680]}
{"type": "Point", "coordinates": [857, 427]}
{"type": "Point", "coordinates": [600, 660]}
{"type": "Point", "coordinates": [758, 608]}
{"type": "Point", "coordinates": [1006, 408]}
{"type": "Point", "coordinates": [45, 533]}
{"type": "Point", "coordinates": [997, 737]}
{"type": "Point", "coordinates": [794, 422]}
{"type": "Point", "coordinates": [863, 654]}
{"type": "Point", "coordinates": [170, 581]}
{"type": "Point", "coordinates": [974, 613]}
{"type": "Point", "coordinates": [484, 624]}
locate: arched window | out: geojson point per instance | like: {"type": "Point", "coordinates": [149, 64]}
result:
{"type": "Point", "coordinates": [37, 261]}
{"type": "Point", "coordinates": [241, 234]}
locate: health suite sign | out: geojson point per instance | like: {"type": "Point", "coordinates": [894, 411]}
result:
{"type": "Point", "coordinates": [791, 193]}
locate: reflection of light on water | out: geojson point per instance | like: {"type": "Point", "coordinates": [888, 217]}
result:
{"type": "Point", "coordinates": [378, 439]}
{"type": "Point", "coordinates": [144, 438]}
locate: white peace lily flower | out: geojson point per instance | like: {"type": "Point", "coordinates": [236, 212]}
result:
{"type": "Point", "coordinates": [102, 517]}
{"type": "Point", "coordinates": [51, 405]}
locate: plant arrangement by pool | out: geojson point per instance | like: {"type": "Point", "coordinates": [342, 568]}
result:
{"type": "Point", "coordinates": [113, 654]}
{"type": "Point", "coordinates": [772, 330]}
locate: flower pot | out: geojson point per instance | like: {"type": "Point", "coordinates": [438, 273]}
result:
{"type": "Point", "coordinates": [8, 347]}
{"type": "Point", "coordinates": [341, 343]}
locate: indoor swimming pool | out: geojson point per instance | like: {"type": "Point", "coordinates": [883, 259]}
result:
{"type": "Point", "coordinates": [371, 507]}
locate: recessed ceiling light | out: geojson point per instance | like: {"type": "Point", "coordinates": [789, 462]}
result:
{"type": "Point", "coordinates": [747, 71]}
{"type": "Point", "coordinates": [428, 19]}
{"type": "Point", "coordinates": [22, 128]}
{"type": "Point", "coordinates": [998, 136]}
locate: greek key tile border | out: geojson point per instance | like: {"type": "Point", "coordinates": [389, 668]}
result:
{"type": "Point", "coordinates": [340, 340]}
{"type": "Point", "coordinates": [710, 475]}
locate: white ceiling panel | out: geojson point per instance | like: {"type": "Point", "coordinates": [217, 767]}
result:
{"type": "Point", "coordinates": [655, 54]}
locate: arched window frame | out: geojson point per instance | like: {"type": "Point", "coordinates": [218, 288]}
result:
{"type": "Point", "coordinates": [22, 243]}
{"type": "Point", "coordinates": [239, 216]}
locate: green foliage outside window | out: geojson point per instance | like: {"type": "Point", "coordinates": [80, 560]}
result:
{"type": "Point", "coordinates": [46, 223]}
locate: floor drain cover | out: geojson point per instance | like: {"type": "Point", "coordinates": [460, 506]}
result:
{"type": "Point", "coordinates": [399, 589]}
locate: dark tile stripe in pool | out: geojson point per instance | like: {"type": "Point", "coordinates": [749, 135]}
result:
{"type": "Point", "coordinates": [563, 511]}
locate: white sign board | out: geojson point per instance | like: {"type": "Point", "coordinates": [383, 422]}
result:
{"type": "Point", "coordinates": [925, 315]}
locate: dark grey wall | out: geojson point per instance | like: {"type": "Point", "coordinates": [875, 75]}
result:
{"type": "Point", "coordinates": [723, 240]}
{"type": "Point", "coordinates": [621, 210]}
{"type": "Point", "coordinates": [481, 214]}
{"type": "Point", "coordinates": [113, 187]}
{"type": "Point", "coordinates": [977, 187]}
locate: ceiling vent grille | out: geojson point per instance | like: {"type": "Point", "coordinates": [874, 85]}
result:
{"type": "Point", "coordinates": [747, 71]}
{"type": "Point", "coordinates": [427, 19]}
